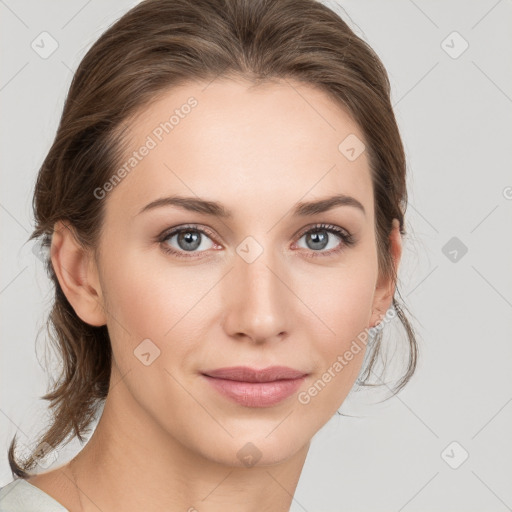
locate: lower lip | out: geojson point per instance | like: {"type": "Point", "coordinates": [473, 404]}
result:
{"type": "Point", "coordinates": [256, 394]}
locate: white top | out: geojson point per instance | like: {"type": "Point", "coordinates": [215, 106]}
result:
{"type": "Point", "coordinates": [21, 496]}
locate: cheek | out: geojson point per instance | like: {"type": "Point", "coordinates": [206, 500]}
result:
{"type": "Point", "coordinates": [140, 293]}
{"type": "Point", "coordinates": [352, 306]}
{"type": "Point", "coordinates": [143, 304]}
{"type": "Point", "coordinates": [149, 300]}
{"type": "Point", "coordinates": [343, 303]}
{"type": "Point", "coordinates": [341, 353]}
{"type": "Point", "coordinates": [341, 300]}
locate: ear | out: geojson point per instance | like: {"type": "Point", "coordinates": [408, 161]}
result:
{"type": "Point", "coordinates": [77, 273]}
{"type": "Point", "coordinates": [385, 289]}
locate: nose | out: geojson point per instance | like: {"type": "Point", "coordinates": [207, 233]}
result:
{"type": "Point", "coordinates": [258, 303]}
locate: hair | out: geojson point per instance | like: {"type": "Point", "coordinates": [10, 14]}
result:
{"type": "Point", "coordinates": [158, 45]}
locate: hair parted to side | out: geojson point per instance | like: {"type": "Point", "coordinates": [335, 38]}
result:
{"type": "Point", "coordinates": [155, 46]}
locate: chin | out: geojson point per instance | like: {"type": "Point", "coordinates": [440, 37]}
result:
{"type": "Point", "coordinates": [259, 449]}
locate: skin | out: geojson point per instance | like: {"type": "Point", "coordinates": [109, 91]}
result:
{"type": "Point", "coordinates": [166, 439]}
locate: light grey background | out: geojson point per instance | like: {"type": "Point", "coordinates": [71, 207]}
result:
{"type": "Point", "coordinates": [454, 115]}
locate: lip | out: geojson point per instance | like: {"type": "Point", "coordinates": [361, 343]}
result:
{"type": "Point", "coordinates": [256, 388]}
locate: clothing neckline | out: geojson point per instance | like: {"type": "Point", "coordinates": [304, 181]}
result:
{"type": "Point", "coordinates": [50, 499]}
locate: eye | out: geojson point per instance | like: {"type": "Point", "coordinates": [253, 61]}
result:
{"type": "Point", "coordinates": [323, 236]}
{"type": "Point", "coordinates": [188, 239]}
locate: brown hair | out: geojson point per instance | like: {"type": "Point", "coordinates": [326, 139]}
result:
{"type": "Point", "coordinates": [159, 44]}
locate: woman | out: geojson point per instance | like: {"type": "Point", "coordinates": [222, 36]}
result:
{"type": "Point", "coordinates": [224, 203]}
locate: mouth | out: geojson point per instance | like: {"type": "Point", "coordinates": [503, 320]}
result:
{"type": "Point", "coordinates": [256, 388]}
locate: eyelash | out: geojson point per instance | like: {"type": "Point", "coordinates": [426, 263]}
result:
{"type": "Point", "coordinates": [346, 237]}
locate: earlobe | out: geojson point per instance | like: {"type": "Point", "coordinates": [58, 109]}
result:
{"type": "Point", "coordinates": [77, 274]}
{"type": "Point", "coordinates": [385, 289]}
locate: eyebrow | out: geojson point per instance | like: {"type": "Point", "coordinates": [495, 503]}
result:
{"type": "Point", "coordinates": [215, 209]}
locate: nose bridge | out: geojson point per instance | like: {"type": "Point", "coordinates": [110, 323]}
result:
{"type": "Point", "coordinates": [259, 299]}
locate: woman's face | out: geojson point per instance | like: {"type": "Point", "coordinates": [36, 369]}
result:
{"type": "Point", "coordinates": [254, 288]}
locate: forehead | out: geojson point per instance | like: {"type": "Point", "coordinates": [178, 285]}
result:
{"type": "Point", "coordinates": [243, 145]}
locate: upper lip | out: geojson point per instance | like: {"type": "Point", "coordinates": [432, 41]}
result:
{"type": "Point", "coordinates": [247, 374]}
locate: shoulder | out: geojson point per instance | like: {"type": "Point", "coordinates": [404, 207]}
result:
{"type": "Point", "coordinates": [21, 496]}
